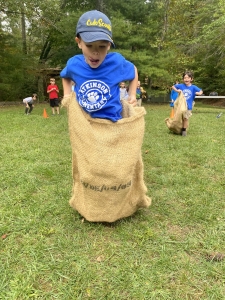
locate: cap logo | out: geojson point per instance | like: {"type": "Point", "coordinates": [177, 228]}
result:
{"type": "Point", "coordinates": [99, 23]}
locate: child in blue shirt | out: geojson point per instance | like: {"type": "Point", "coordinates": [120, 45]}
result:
{"type": "Point", "coordinates": [97, 73]}
{"type": "Point", "coordinates": [190, 91]}
{"type": "Point", "coordinates": [173, 96]}
{"type": "Point", "coordinates": [138, 93]}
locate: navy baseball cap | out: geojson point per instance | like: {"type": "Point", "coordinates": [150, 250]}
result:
{"type": "Point", "coordinates": [94, 26]}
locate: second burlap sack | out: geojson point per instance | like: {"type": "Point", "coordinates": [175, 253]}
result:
{"type": "Point", "coordinates": [175, 124]}
{"type": "Point", "coordinates": [106, 163]}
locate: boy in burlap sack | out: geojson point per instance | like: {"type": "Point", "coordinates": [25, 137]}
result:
{"type": "Point", "coordinates": [190, 91]}
{"type": "Point", "coordinates": [175, 123]}
{"type": "Point", "coordinates": [106, 134]}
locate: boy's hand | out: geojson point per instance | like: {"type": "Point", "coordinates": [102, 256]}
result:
{"type": "Point", "coordinates": [132, 101]}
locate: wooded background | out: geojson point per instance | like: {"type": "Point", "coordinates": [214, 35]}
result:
{"type": "Point", "coordinates": [161, 37]}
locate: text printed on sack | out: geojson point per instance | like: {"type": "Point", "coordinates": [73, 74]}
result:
{"type": "Point", "coordinates": [101, 188]}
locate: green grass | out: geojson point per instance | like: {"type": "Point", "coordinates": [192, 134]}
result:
{"type": "Point", "coordinates": [48, 252]}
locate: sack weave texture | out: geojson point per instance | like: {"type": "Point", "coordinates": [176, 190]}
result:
{"type": "Point", "coordinates": [107, 163]}
{"type": "Point", "coordinates": [175, 124]}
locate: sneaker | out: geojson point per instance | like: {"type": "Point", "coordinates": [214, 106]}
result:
{"type": "Point", "coordinates": [184, 133]}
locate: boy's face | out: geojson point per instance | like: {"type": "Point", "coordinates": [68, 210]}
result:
{"type": "Point", "coordinates": [52, 81]}
{"type": "Point", "coordinates": [122, 85]}
{"type": "Point", "coordinates": [187, 80]}
{"type": "Point", "coordinates": [94, 52]}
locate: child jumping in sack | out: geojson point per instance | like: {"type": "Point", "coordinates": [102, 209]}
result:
{"type": "Point", "coordinates": [107, 182]}
{"type": "Point", "coordinates": [190, 91]}
{"type": "Point", "coordinates": [97, 73]}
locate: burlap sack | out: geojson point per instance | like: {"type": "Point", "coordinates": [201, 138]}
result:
{"type": "Point", "coordinates": [175, 124]}
{"type": "Point", "coordinates": [106, 163]}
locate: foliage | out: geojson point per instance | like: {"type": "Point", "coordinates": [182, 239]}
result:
{"type": "Point", "coordinates": [13, 77]}
{"type": "Point", "coordinates": [162, 38]}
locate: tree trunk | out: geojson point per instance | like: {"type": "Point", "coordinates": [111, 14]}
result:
{"type": "Point", "coordinates": [165, 24]}
{"type": "Point", "coordinates": [100, 5]}
{"type": "Point", "coordinates": [23, 27]}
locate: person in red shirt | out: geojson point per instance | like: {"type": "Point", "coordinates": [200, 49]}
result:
{"type": "Point", "coordinates": [53, 92]}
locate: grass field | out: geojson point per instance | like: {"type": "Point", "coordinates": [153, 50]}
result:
{"type": "Point", "coordinates": [173, 250]}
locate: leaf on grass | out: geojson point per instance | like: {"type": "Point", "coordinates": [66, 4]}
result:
{"type": "Point", "coordinates": [4, 236]}
{"type": "Point", "coordinates": [89, 292]}
{"type": "Point", "coordinates": [215, 257]}
{"type": "Point", "coordinates": [146, 151]}
{"type": "Point", "coordinates": [100, 258]}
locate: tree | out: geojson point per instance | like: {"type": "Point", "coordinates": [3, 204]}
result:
{"type": "Point", "coordinates": [161, 37]}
